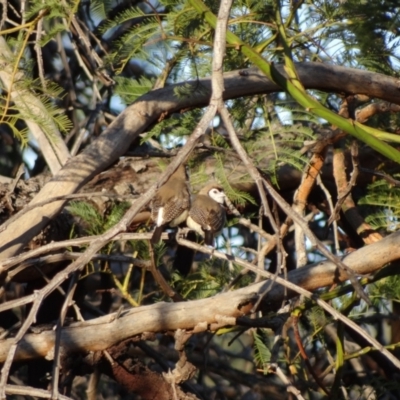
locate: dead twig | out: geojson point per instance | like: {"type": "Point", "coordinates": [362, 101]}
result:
{"type": "Point", "coordinates": [289, 386]}
{"type": "Point", "coordinates": [57, 347]}
{"type": "Point", "coordinates": [304, 356]}
{"type": "Point", "coordinates": [160, 280]}
{"type": "Point", "coordinates": [330, 203]}
{"type": "Point", "coordinates": [29, 391]}
{"type": "Point", "coordinates": [388, 178]}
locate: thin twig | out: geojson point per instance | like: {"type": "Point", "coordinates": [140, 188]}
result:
{"type": "Point", "coordinates": [12, 261]}
{"type": "Point", "coordinates": [390, 179]}
{"type": "Point", "coordinates": [3, 13]}
{"type": "Point", "coordinates": [165, 287]}
{"type": "Point", "coordinates": [328, 196]}
{"type": "Point", "coordinates": [55, 258]}
{"type": "Point", "coordinates": [57, 346]}
{"type": "Point", "coordinates": [260, 255]}
{"type": "Point", "coordinates": [80, 60]}
{"type": "Point", "coordinates": [39, 56]}
{"type": "Point", "coordinates": [281, 252]}
{"type": "Point", "coordinates": [30, 391]}
{"type": "Point", "coordinates": [304, 356]}
{"type": "Point", "coordinates": [289, 386]}
{"type": "Point", "coordinates": [12, 186]}
{"type": "Point", "coordinates": [61, 291]}
{"type": "Point", "coordinates": [247, 223]}
{"type": "Point", "coordinates": [18, 175]}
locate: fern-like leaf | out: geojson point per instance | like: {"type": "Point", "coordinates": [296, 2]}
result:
{"type": "Point", "coordinates": [130, 89]}
{"type": "Point", "coordinates": [262, 354]}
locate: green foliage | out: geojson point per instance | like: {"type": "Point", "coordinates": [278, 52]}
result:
{"type": "Point", "coordinates": [133, 13]}
{"type": "Point", "coordinates": [53, 114]}
{"type": "Point", "coordinates": [187, 90]}
{"type": "Point", "coordinates": [199, 285]}
{"type": "Point", "coordinates": [20, 134]}
{"type": "Point", "coordinates": [89, 215]}
{"type": "Point", "coordinates": [235, 195]}
{"type": "Point", "coordinates": [219, 140]}
{"type": "Point", "coordinates": [279, 142]}
{"type": "Point", "coordinates": [115, 215]}
{"type": "Point", "coordinates": [384, 199]}
{"type": "Point", "coordinates": [374, 32]}
{"type": "Point", "coordinates": [49, 117]}
{"type": "Point", "coordinates": [138, 40]}
{"type": "Point", "coordinates": [386, 289]}
{"type": "Point", "coordinates": [364, 32]}
{"type": "Point", "coordinates": [51, 33]}
{"type": "Point", "coordinates": [130, 89]}
{"type": "Point", "coordinates": [159, 249]}
{"type": "Point", "coordinates": [316, 318]}
{"type": "Point", "coordinates": [100, 8]}
{"type": "Point", "coordinates": [157, 38]}
{"type": "Point", "coordinates": [54, 8]}
{"type": "Point", "coordinates": [95, 223]}
{"type": "Point", "coordinates": [262, 354]}
{"type": "Point", "coordinates": [210, 278]}
{"type": "Point", "coordinates": [171, 130]}
{"type": "Point", "coordinates": [141, 247]}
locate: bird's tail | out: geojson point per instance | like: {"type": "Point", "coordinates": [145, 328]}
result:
{"type": "Point", "coordinates": [209, 238]}
{"type": "Point", "coordinates": [155, 239]}
{"type": "Point", "coordinates": [184, 256]}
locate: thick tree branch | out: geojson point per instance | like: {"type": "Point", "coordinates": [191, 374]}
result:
{"type": "Point", "coordinates": [102, 333]}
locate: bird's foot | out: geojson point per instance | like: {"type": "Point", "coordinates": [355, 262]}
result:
{"type": "Point", "coordinates": [182, 232]}
{"type": "Point", "coordinates": [212, 248]}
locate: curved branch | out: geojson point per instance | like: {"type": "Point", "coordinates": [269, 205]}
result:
{"type": "Point", "coordinates": [116, 139]}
